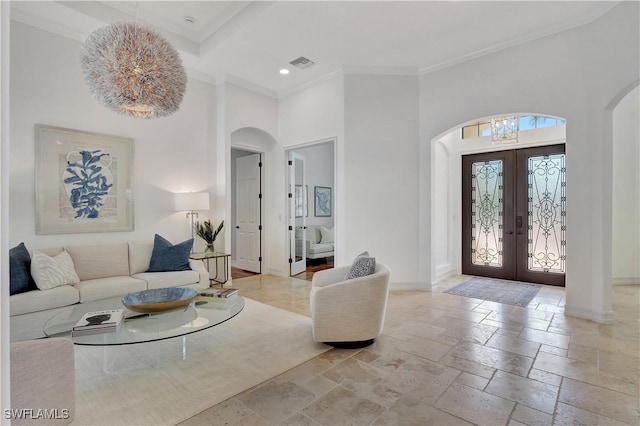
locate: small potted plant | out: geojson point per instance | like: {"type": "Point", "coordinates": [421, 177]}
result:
{"type": "Point", "coordinates": [205, 231]}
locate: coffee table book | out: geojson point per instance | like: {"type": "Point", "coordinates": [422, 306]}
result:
{"type": "Point", "coordinates": [218, 293]}
{"type": "Point", "coordinates": [95, 322]}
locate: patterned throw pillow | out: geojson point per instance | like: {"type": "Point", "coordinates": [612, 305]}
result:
{"type": "Point", "coordinates": [50, 272]}
{"type": "Point", "coordinates": [362, 266]}
{"type": "Point", "coordinates": [167, 257]}
{"type": "Point", "coordinates": [20, 270]}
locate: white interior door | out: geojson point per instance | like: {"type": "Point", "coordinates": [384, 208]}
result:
{"type": "Point", "coordinates": [297, 214]}
{"type": "Point", "coordinates": [248, 213]}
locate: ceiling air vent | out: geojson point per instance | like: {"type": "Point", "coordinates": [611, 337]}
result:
{"type": "Point", "coordinates": [302, 62]}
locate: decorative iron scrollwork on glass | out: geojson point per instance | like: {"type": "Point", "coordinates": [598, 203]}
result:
{"type": "Point", "coordinates": [547, 213]}
{"type": "Point", "coordinates": [487, 213]}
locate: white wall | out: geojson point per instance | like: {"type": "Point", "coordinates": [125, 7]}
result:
{"type": "Point", "coordinates": [5, 400]}
{"type": "Point", "coordinates": [626, 190]}
{"type": "Point", "coordinates": [250, 122]}
{"type": "Point", "coordinates": [381, 172]}
{"type": "Point", "coordinates": [319, 171]}
{"type": "Point", "coordinates": [574, 75]}
{"type": "Point", "coordinates": [170, 154]}
{"type": "Point", "coordinates": [311, 115]}
{"type": "Point", "coordinates": [444, 215]}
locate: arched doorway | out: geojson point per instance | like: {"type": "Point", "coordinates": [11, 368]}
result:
{"type": "Point", "coordinates": [451, 243]}
{"type": "Point", "coordinates": [625, 190]}
{"type": "Point", "coordinates": [249, 155]}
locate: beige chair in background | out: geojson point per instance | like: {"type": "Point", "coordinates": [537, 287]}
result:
{"type": "Point", "coordinates": [43, 382]}
{"type": "Point", "coordinates": [349, 314]}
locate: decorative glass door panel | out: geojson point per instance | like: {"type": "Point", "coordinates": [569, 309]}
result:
{"type": "Point", "coordinates": [514, 214]}
{"type": "Point", "coordinates": [486, 213]}
{"type": "Point", "coordinates": [541, 203]}
{"type": "Point", "coordinates": [546, 212]}
{"type": "Point", "coordinates": [487, 195]}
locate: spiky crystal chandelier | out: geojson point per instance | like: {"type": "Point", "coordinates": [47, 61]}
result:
{"type": "Point", "coordinates": [133, 70]}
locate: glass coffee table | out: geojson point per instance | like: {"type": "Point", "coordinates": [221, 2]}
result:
{"type": "Point", "coordinates": [200, 315]}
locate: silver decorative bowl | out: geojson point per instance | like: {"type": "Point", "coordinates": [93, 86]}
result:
{"type": "Point", "coordinates": [159, 299]}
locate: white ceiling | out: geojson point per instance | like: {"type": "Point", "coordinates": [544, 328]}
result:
{"type": "Point", "coordinates": [248, 42]}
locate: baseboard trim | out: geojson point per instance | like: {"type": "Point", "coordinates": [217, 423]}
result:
{"type": "Point", "coordinates": [606, 317]}
{"type": "Point", "coordinates": [276, 272]}
{"type": "Point", "coordinates": [626, 281]}
{"type": "Point", "coordinates": [410, 286]}
{"type": "Point", "coordinates": [444, 272]}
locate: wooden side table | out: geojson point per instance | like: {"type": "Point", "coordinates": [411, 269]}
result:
{"type": "Point", "coordinates": [207, 256]}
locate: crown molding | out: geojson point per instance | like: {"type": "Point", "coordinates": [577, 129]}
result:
{"type": "Point", "coordinates": [341, 72]}
{"type": "Point", "coordinates": [44, 24]}
{"type": "Point", "coordinates": [322, 79]}
{"type": "Point", "coordinates": [233, 25]}
{"type": "Point", "coordinates": [200, 76]}
{"type": "Point", "coordinates": [521, 40]}
{"type": "Point", "coordinates": [407, 71]}
{"type": "Point", "coordinates": [245, 84]}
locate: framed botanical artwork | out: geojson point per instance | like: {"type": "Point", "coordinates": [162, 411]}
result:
{"type": "Point", "coordinates": [83, 181]}
{"type": "Point", "coordinates": [322, 205]}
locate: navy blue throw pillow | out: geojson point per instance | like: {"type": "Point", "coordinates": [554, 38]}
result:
{"type": "Point", "coordinates": [20, 270]}
{"type": "Point", "coordinates": [167, 257]}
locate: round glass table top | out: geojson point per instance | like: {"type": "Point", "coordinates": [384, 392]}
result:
{"type": "Point", "coordinates": [201, 314]}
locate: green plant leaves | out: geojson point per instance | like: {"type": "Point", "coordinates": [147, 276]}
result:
{"type": "Point", "coordinates": [205, 230]}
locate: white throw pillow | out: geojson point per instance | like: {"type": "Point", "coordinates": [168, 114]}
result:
{"type": "Point", "coordinates": [50, 272]}
{"type": "Point", "coordinates": [326, 235]}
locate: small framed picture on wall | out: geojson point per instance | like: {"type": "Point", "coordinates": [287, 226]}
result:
{"type": "Point", "coordinates": [322, 205]}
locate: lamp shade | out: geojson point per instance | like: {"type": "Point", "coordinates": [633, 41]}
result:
{"type": "Point", "coordinates": [190, 201]}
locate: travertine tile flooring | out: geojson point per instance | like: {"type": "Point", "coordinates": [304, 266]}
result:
{"type": "Point", "coordinates": [449, 360]}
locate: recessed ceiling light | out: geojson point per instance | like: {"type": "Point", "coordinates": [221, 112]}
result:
{"type": "Point", "coordinates": [284, 71]}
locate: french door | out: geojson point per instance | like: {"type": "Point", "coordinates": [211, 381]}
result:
{"type": "Point", "coordinates": [513, 212]}
{"type": "Point", "coordinates": [297, 218]}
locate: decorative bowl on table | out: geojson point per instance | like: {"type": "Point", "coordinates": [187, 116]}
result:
{"type": "Point", "coordinates": [159, 299]}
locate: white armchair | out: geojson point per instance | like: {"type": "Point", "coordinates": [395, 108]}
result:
{"type": "Point", "coordinates": [349, 314]}
{"type": "Point", "coordinates": [43, 384]}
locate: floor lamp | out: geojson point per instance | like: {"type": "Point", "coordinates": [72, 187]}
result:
{"type": "Point", "coordinates": [190, 202]}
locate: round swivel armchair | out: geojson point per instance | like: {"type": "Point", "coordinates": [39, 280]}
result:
{"type": "Point", "coordinates": [349, 313]}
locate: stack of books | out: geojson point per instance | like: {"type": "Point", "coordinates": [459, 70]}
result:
{"type": "Point", "coordinates": [99, 322]}
{"type": "Point", "coordinates": [219, 293]}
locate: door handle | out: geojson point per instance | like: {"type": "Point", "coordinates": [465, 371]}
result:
{"type": "Point", "coordinates": [509, 232]}
{"type": "Point", "coordinates": [237, 226]}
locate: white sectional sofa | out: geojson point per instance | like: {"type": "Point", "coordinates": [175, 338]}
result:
{"type": "Point", "coordinates": [105, 271]}
{"type": "Point", "coordinates": [316, 247]}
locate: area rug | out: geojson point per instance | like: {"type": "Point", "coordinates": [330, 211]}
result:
{"type": "Point", "coordinates": [166, 382]}
{"type": "Point", "coordinates": [501, 291]}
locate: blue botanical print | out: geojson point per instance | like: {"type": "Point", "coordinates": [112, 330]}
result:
{"type": "Point", "coordinates": [88, 182]}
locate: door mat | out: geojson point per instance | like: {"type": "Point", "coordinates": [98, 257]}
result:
{"type": "Point", "coordinates": [501, 291]}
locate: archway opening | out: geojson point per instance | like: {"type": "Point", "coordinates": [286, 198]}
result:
{"type": "Point", "coordinates": [447, 150]}
{"type": "Point", "coordinates": [251, 151]}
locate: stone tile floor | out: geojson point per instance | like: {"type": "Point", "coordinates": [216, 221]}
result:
{"type": "Point", "coordinates": [450, 360]}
